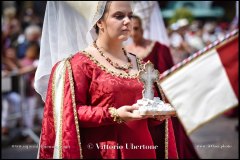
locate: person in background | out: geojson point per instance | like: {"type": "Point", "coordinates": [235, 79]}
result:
{"type": "Point", "coordinates": [13, 68]}
{"type": "Point", "coordinates": [146, 49]}
{"type": "Point", "coordinates": [32, 34]}
{"type": "Point", "coordinates": [160, 56]}
{"type": "Point", "coordinates": [30, 99]}
{"type": "Point", "coordinates": [11, 99]}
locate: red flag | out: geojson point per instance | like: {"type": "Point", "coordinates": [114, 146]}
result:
{"type": "Point", "coordinates": [228, 54]}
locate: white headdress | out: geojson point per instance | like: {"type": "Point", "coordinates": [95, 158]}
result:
{"type": "Point", "coordinates": [152, 21]}
{"type": "Point", "coordinates": [65, 32]}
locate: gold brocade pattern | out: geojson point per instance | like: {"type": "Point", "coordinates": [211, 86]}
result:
{"type": "Point", "coordinates": [74, 105]}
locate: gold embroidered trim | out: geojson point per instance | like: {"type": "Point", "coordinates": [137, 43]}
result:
{"type": "Point", "coordinates": [166, 139]}
{"type": "Point", "coordinates": [121, 75]}
{"type": "Point", "coordinates": [53, 100]}
{"type": "Point", "coordinates": [74, 105]}
{"type": "Point", "coordinates": [60, 127]}
{"type": "Point", "coordinates": [141, 64]}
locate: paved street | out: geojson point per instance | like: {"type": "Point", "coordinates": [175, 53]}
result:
{"type": "Point", "coordinates": [216, 140]}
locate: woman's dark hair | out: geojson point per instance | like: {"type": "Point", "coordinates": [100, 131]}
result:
{"type": "Point", "coordinates": [36, 47]}
{"type": "Point", "coordinates": [96, 28]}
{"type": "Point", "coordinates": [137, 18]}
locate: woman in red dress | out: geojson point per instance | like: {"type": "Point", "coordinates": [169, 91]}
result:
{"type": "Point", "coordinates": [89, 102]}
{"type": "Point", "coordinates": [160, 56]}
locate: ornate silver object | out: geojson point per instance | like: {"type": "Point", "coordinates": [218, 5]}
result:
{"type": "Point", "coordinates": [148, 76]}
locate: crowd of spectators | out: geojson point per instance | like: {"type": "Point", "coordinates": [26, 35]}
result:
{"type": "Point", "coordinates": [21, 34]}
{"type": "Point", "coordinates": [187, 38]}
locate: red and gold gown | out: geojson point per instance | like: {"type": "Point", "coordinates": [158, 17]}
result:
{"type": "Point", "coordinates": [77, 124]}
{"type": "Point", "coordinates": [161, 57]}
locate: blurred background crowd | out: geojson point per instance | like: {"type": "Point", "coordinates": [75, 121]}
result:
{"type": "Point", "coordinates": [22, 22]}
{"type": "Point", "coordinates": [21, 34]}
{"type": "Point", "coordinates": [193, 25]}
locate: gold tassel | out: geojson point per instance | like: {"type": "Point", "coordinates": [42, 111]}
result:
{"type": "Point", "coordinates": [166, 139]}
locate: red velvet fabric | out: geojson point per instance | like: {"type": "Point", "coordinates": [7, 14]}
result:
{"type": "Point", "coordinates": [96, 91]}
{"type": "Point", "coordinates": [70, 145]}
{"type": "Point", "coordinates": [161, 57]}
{"type": "Point", "coordinates": [48, 135]}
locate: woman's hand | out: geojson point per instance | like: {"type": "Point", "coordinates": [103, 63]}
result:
{"type": "Point", "coordinates": [127, 113]}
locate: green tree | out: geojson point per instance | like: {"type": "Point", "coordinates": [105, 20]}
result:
{"type": "Point", "coordinates": [180, 14]}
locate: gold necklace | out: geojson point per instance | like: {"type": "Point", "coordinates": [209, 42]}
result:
{"type": "Point", "coordinates": [125, 67]}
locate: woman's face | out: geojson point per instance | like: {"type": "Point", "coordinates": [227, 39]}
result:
{"type": "Point", "coordinates": [11, 53]}
{"type": "Point", "coordinates": [32, 52]}
{"type": "Point", "coordinates": [137, 31]}
{"type": "Point", "coordinates": [116, 22]}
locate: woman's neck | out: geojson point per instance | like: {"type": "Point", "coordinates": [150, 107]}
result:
{"type": "Point", "coordinates": [140, 42]}
{"type": "Point", "coordinates": [112, 47]}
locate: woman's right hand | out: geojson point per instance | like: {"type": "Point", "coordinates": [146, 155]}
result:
{"type": "Point", "coordinates": [127, 113]}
